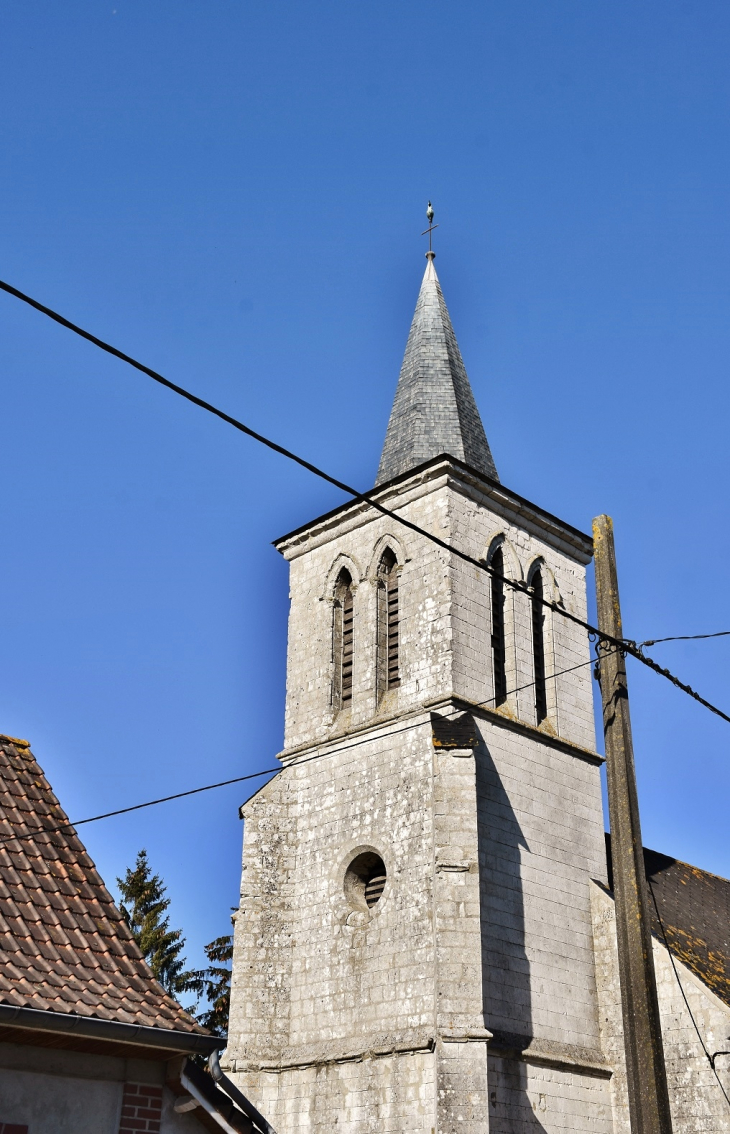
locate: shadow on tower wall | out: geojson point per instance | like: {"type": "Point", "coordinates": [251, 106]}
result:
{"type": "Point", "coordinates": [506, 994]}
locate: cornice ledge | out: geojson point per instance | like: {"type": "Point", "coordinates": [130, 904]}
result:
{"type": "Point", "coordinates": [551, 1053]}
{"type": "Point", "coordinates": [319, 1055]}
{"type": "Point", "coordinates": [407, 486]}
{"type": "Point", "coordinates": [528, 1049]}
{"type": "Point", "coordinates": [295, 543]}
{"type": "Point", "coordinates": [494, 716]}
{"type": "Point", "coordinates": [464, 1035]}
{"type": "Point", "coordinates": [333, 743]}
{"type": "Point", "coordinates": [543, 523]}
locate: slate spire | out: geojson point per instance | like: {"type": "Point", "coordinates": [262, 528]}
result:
{"type": "Point", "coordinates": [434, 410]}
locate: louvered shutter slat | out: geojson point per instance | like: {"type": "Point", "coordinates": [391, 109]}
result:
{"type": "Point", "coordinates": [348, 620]}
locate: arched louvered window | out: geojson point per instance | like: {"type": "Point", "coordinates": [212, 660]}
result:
{"type": "Point", "coordinates": [499, 653]}
{"type": "Point", "coordinates": [342, 636]}
{"type": "Point", "coordinates": [538, 646]}
{"type": "Point", "coordinates": [388, 667]}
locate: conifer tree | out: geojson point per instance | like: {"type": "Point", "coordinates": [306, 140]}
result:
{"type": "Point", "coordinates": [215, 984]}
{"type": "Point", "coordinates": [144, 909]}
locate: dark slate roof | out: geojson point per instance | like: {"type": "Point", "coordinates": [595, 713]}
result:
{"type": "Point", "coordinates": [694, 907]}
{"type": "Point", "coordinates": [434, 411]}
{"type": "Point", "coordinates": [64, 945]}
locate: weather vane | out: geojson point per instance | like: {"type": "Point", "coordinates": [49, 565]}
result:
{"type": "Point", "coordinates": [429, 230]}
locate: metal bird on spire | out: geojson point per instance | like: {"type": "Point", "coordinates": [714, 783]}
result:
{"type": "Point", "coordinates": [429, 230]}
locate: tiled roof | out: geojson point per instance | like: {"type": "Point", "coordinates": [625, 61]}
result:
{"type": "Point", "coordinates": [64, 945]}
{"type": "Point", "coordinates": [695, 911]}
{"type": "Point", "coordinates": [434, 411]}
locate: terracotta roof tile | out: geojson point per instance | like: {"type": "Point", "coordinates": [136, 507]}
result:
{"type": "Point", "coordinates": [64, 945]}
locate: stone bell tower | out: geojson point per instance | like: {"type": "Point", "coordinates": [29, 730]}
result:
{"type": "Point", "coordinates": [413, 949]}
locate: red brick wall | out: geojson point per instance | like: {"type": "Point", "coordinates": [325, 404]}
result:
{"type": "Point", "coordinates": [141, 1109]}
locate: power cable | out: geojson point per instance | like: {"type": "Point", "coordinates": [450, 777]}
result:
{"type": "Point", "coordinates": [710, 1058]}
{"type": "Point", "coordinates": [135, 807]}
{"type": "Point", "coordinates": [684, 638]}
{"type": "Point", "coordinates": [624, 644]}
{"type": "Point", "coordinates": [70, 825]}
{"type": "Point", "coordinates": [635, 651]}
{"type": "Point", "coordinates": [476, 705]}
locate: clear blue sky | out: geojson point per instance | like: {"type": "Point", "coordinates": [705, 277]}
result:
{"type": "Point", "coordinates": [234, 193]}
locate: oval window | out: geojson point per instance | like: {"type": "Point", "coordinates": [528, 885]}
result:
{"type": "Point", "coordinates": [365, 880]}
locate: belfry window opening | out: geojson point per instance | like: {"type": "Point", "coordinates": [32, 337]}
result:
{"type": "Point", "coordinates": [499, 652]}
{"type": "Point", "coordinates": [538, 646]}
{"type": "Point", "coordinates": [388, 666]}
{"type": "Point", "coordinates": [343, 640]}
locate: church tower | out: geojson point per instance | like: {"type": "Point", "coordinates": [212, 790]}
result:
{"type": "Point", "coordinates": [413, 949]}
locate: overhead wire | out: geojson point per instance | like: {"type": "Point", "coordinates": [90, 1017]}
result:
{"type": "Point", "coordinates": [633, 650]}
{"type": "Point", "coordinates": [684, 638]}
{"type": "Point", "coordinates": [467, 707]}
{"type": "Point", "coordinates": [624, 644]}
{"type": "Point", "coordinates": [70, 825]}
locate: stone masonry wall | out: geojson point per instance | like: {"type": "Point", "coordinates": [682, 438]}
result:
{"type": "Point", "coordinates": [541, 842]}
{"type": "Point", "coordinates": [313, 974]}
{"type": "Point", "coordinates": [382, 988]}
{"type": "Point", "coordinates": [376, 1021]}
{"type": "Point", "coordinates": [474, 527]}
{"type": "Point", "coordinates": [325, 993]}
{"type": "Point", "coordinates": [424, 598]}
{"type": "Point", "coordinates": [485, 919]}
{"type": "Point", "coordinates": [261, 981]}
{"type": "Point", "coordinates": [533, 1098]}
{"type": "Point", "coordinates": [371, 1094]}
{"type": "Point", "coordinates": [445, 619]}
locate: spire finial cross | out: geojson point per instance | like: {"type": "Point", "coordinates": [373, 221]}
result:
{"type": "Point", "coordinates": [429, 230]}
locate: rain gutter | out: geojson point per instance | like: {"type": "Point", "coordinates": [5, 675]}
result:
{"type": "Point", "coordinates": [90, 1027]}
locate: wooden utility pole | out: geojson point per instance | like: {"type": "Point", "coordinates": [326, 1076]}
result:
{"type": "Point", "coordinates": [645, 1067]}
